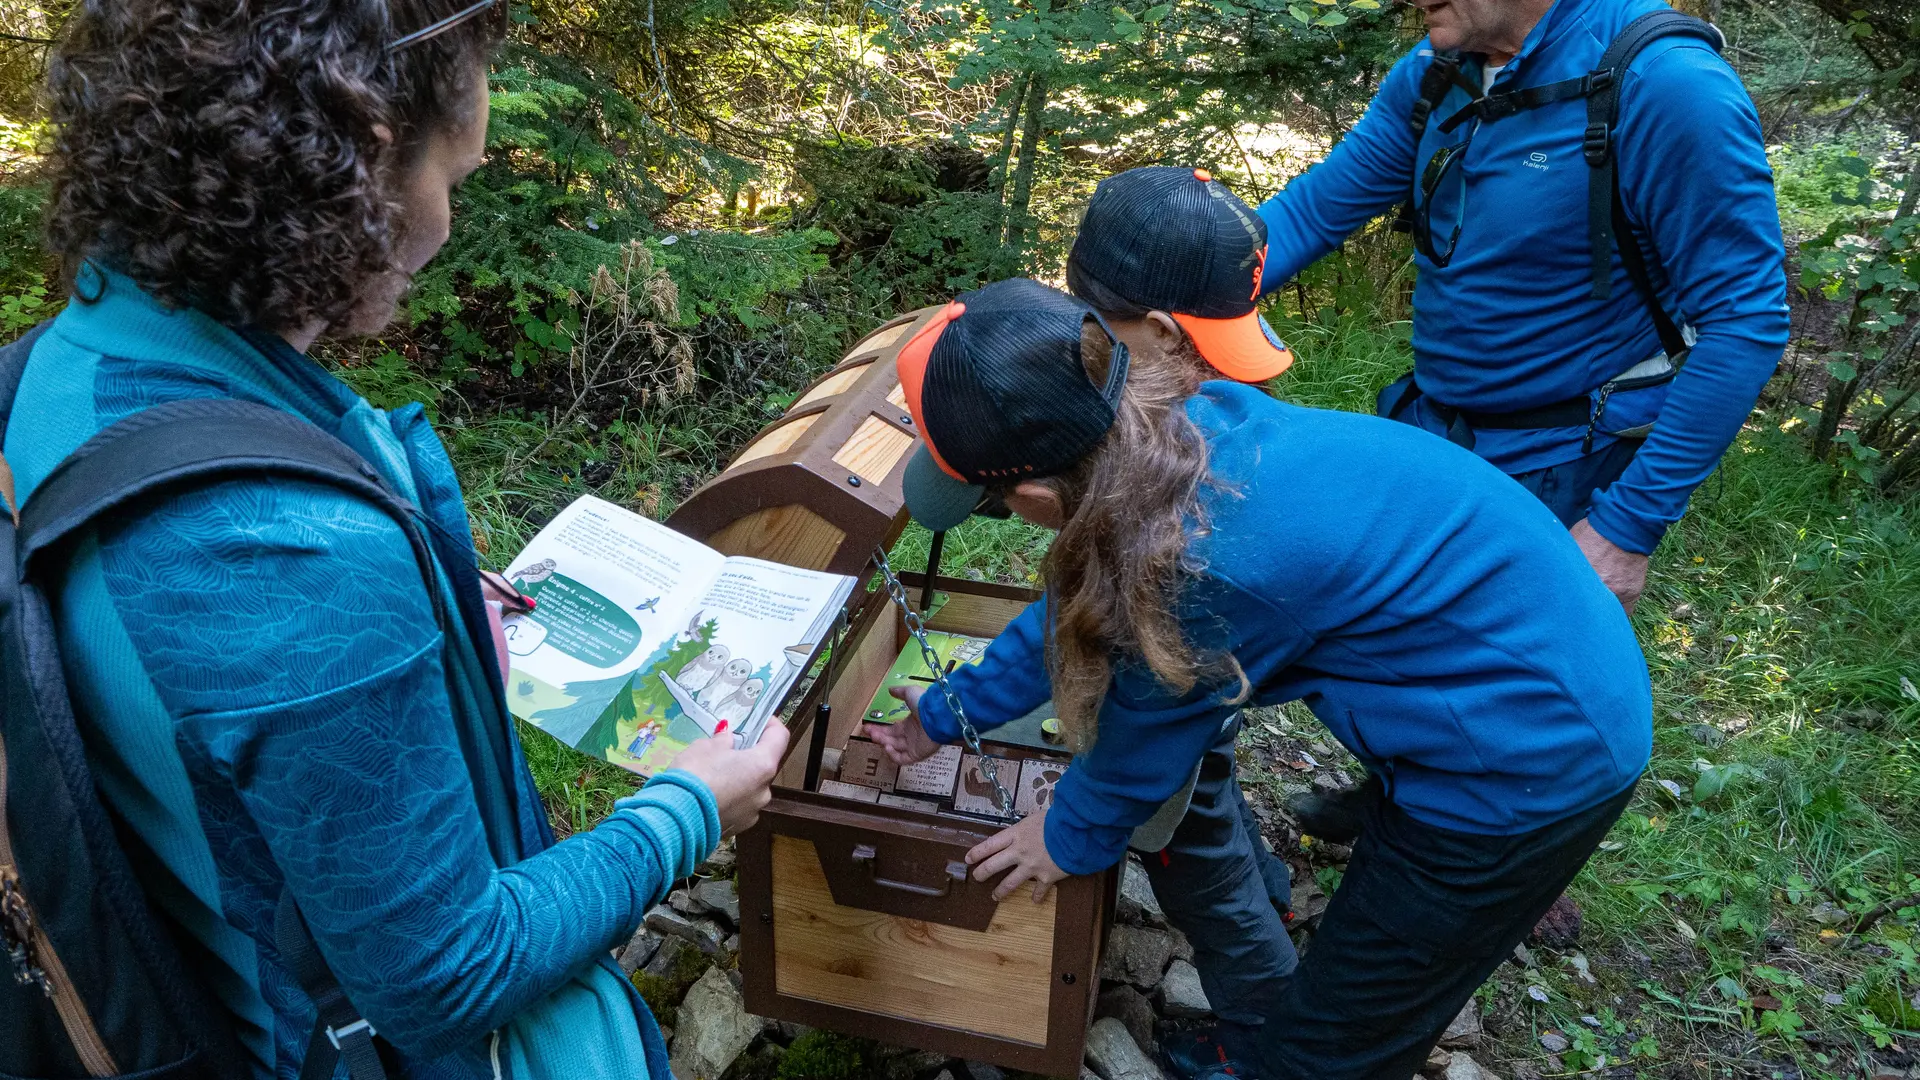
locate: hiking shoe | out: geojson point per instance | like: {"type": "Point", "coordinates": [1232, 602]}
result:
{"type": "Point", "coordinates": [1198, 1054]}
{"type": "Point", "coordinates": [1337, 817]}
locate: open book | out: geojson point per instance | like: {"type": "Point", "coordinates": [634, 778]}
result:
{"type": "Point", "coordinates": [642, 640]}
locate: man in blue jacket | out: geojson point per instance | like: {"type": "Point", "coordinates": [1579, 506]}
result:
{"type": "Point", "coordinates": [1514, 356]}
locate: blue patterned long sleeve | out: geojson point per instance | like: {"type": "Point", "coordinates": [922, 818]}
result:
{"type": "Point", "coordinates": [285, 630]}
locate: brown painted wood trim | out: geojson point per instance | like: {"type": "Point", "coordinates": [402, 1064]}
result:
{"type": "Point", "coordinates": [913, 579]}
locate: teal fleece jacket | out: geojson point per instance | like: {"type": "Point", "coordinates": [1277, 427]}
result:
{"type": "Point", "coordinates": [269, 704]}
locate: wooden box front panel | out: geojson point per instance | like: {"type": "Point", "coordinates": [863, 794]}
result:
{"type": "Point", "coordinates": [894, 946]}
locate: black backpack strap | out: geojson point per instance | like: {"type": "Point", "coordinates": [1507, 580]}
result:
{"type": "Point", "coordinates": [1606, 212]}
{"type": "Point", "coordinates": [340, 1032]}
{"type": "Point", "coordinates": [1493, 107]}
{"type": "Point", "coordinates": [13, 367]}
{"type": "Point", "coordinates": [193, 443]}
{"type": "Point", "coordinates": [1440, 77]}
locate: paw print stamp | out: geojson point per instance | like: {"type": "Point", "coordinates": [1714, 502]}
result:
{"type": "Point", "coordinates": [1037, 780]}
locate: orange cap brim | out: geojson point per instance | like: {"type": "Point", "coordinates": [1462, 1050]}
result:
{"type": "Point", "coordinates": [911, 366]}
{"type": "Point", "coordinates": [1238, 348]}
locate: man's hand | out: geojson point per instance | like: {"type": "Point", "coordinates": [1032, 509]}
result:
{"type": "Point", "coordinates": [1623, 572]}
{"type": "Point", "coordinates": [739, 779]}
{"type": "Point", "coordinates": [1021, 850]}
{"type": "Point", "coordinates": [905, 742]}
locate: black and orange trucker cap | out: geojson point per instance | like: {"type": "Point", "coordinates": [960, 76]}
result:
{"type": "Point", "coordinates": [1178, 240]}
{"type": "Point", "coordinates": [999, 390]}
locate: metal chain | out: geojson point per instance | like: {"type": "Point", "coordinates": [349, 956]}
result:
{"type": "Point", "coordinates": [989, 766]}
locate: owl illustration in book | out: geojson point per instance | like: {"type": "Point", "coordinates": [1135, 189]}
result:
{"type": "Point", "coordinates": [724, 684]}
{"type": "Point", "coordinates": [735, 709]}
{"type": "Point", "coordinates": [701, 670]}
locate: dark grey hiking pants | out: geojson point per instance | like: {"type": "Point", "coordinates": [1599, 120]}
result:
{"type": "Point", "coordinates": [1223, 889]}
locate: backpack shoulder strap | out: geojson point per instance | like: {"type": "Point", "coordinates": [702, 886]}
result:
{"type": "Point", "coordinates": [193, 443]}
{"type": "Point", "coordinates": [1436, 82]}
{"type": "Point", "coordinates": [1606, 217]}
{"type": "Point", "coordinates": [13, 367]}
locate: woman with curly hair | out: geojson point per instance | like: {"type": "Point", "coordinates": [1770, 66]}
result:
{"type": "Point", "coordinates": [270, 707]}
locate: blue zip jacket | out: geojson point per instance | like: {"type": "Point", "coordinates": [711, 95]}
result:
{"type": "Point", "coordinates": [1436, 617]}
{"type": "Point", "coordinates": [1510, 322]}
{"type": "Point", "coordinates": [269, 704]}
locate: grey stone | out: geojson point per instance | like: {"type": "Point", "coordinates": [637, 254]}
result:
{"type": "Point", "coordinates": [1088, 1074]}
{"type": "Point", "coordinates": [711, 1028]}
{"type": "Point", "coordinates": [731, 945]}
{"type": "Point", "coordinates": [722, 861]}
{"type": "Point", "coordinates": [1138, 905]}
{"type": "Point", "coordinates": [681, 901]}
{"type": "Point", "coordinates": [1130, 1007]}
{"type": "Point", "coordinates": [1181, 995]}
{"type": "Point", "coordinates": [1554, 1042]}
{"type": "Point", "coordinates": [907, 1063]}
{"type": "Point", "coordinates": [980, 1070]}
{"type": "Point", "coordinates": [717, 897]}
{"type": "Point", "coordinates": [945, 1074]}
{"type": "Point", "coordinates": [639, 949]}
{"type": "Point", "coordinates": [787, 1031]}
{"type": "Point", "coordinates": [1331, 783]}
{"type": "Point", "coordinates": [1115, 1056]}
{"type": "Point", "coordinates": [1465, 1030]}
{"type": "Point", "coordinates": [1462, 1067]}
{"type": "Point", "coordinates": [1706, 734]}
{"type": "Point", "coordinates": [666, 959]}
{"type": "Point", "coordinates": [1437, 1062]}
{"type": "Point", "coordinates": [1182, 948]}
{"type": "Point", "coordinates": [693, 930]}
{"type": "Point", "coordinates": [1136, 955]}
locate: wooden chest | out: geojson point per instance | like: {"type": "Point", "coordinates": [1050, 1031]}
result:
{"type": "Point", "coordinates": [859, 917]}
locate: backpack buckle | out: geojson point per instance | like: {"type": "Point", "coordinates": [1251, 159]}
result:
{"type": "Point", "coordinates": [1595, 143]}
{"type": "Point", "coordinates": [1601, 79]}
{"type": "Point", "coordinates": [358, 1027]}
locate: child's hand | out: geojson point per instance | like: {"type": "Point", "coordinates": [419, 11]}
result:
{"type": "Point", "coordinates": [905, 742]}
{"type": "Point", "coordinates": [1021, 850]}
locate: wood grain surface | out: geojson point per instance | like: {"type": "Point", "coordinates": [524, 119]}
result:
{"type": "Point", "coordinates": [996, 982]}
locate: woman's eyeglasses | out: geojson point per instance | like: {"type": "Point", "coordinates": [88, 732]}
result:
{"type": "Point", "coordinates": [1443, 196]}
{"type": "Point", "coordinates": [494, 10]}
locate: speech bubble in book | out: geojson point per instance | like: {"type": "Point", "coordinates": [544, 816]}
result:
{"type": "Point", "coordinates": [1037, 780]}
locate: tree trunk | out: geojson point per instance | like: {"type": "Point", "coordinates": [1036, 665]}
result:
{"type": "Point", "coordinates": [1005, 159]}
{"type": "Point", "coordinates": [1832, 411]}
{"type": "Point", "coordinates": [1029, 149]}
{"type": "Point", "coordinates": [1904, 468]}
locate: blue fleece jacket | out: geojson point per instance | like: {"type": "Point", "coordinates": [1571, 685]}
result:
{"type": "Point", "coordinates": [269, 705]}
{"type": "Point", "coordinates": [1434, 616]}
{"type": "Point", "coordinates": [1510, 323]}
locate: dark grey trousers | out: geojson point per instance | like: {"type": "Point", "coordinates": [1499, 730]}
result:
{"type": "Point", "coordinates": [1223, 889]}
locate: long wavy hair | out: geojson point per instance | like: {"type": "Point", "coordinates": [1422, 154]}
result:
{"type": "Point", "coordinates": [1116, 572]}
{"type": "Point", "coordinates": [239, 156]}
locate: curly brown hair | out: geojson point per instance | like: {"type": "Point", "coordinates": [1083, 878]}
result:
{"type": "Point", "coordinates": [238, 156]}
